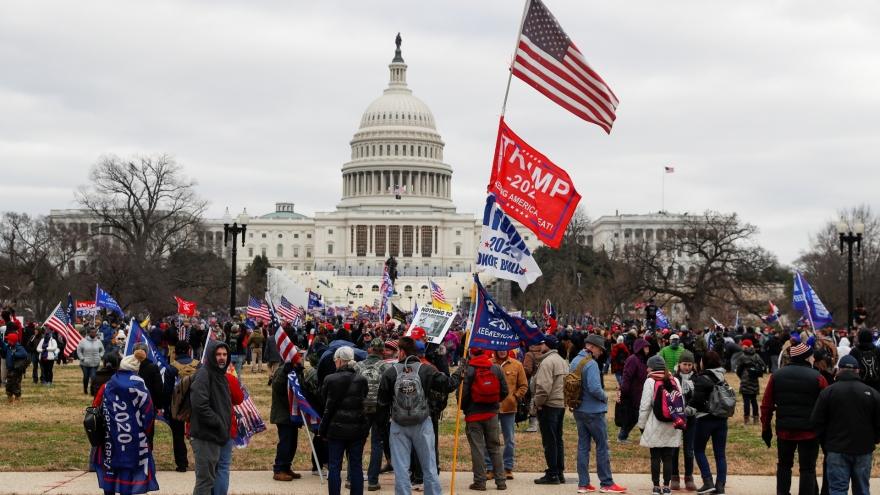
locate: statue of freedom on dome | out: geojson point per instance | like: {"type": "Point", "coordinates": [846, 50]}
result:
{"type": "Point", "coordinates": [398, 41]}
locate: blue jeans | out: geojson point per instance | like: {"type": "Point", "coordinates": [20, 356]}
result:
{"type": "Point", "coordinates": [376, 451]}
{"type": "Point", "coordinates": [508, 422]}
{"type": "Point", "coordinates": [619, 376]}
{"type": "Point", "coordinates": [288, 436]}
{"type": "Point", "coordinates": [842, 468]}
{"type": "Point", "coordinates": [592, 426]}
{"type": "Point", "coordinates": [337, 450]}
{"type": "Point", "coordinates": [716, 429]}
{"type": "Point", "coordinates": [221, 483]}
{"type": "Point", "coordinates": [238, 362]}
{"type": "Point", "coordinates": [88, 374]}
{"type": "Point", "coordinates": [688, 446]}
{"type": "Point", "coordinates": [550, 424]}
{"type": "Point", "coordinates": [406, 439]}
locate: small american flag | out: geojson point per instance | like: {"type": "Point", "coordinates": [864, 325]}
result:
{"type": "Point", "coordinates": [400, 190]}
{"type": "Point", "coordinates": [670, 170]}
{"type": "Point", "coordinates": [257, 309]}
{"type": "Point", "coordinates": [288, 310]}
{"type": "Point", "coordinates": [548, 60]}
{"type": "Point", "coordinates": [437, 292]}
{"type": "Point", "coordinates": [59, 322]}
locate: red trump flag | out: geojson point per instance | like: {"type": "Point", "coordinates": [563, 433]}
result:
{"type": "Point", "coordinates": [531, 189]}
{"type": "Point", "coordinates": [186, 308]}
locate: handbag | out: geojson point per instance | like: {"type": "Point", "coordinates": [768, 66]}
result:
{"type": "Point", "coordinates": [522, 408]}
{"type": "Point", "coordinates": [95, 425]}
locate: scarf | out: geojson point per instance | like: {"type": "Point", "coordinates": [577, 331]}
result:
{"type": "Point", "coordinates": [46, 338]}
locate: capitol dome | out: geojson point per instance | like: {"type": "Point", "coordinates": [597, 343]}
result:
{"type": "Point", "coordinates": [397, 154]}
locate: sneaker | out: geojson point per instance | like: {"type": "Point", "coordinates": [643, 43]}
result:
{"type": "Point", "coordinates": [612, 489]}
{"type": "Point", "coordinates": [508, 473]}
{"type": "Point", "coordinates": [708, 486]}
{"type": "Point", "coordinates": [624, 441]}
{"type": "Point", "coordinates": [656, 491]}
{"type": "Point", "coordinates": [387, 469]}
{"type": "Point", "coordinates": [419, 487]}
{"type": "Point", "coordinates": [282, 477]}
{"type": "Point", "coordinates": [372, 487]}
{"type": "Point", "coordinates": [586, 489]}
{"type": "Point", "coordinates": [666, 490]}
{"type": "Point", "coordinates": [547, 480]}
{"type": "Point", "coordinates": [561, 480]}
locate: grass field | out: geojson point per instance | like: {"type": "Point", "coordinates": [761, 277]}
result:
{"type": "Point", "coordinates": [45, 434]}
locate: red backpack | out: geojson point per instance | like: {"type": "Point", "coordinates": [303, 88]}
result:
{"type": "Point", "coordinates": [486, 388]}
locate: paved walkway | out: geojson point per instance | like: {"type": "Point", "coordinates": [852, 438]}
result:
{"type": "Point", "coordinates": [260, 482]}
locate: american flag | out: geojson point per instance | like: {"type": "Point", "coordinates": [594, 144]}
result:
{"type": "Point", "coordinates": [670, 170]}
{"type": "Point", "coordinates": [437, 292]}
{"type": "Point", "coordinates": [183, 333]}
{"type": "Point", "coordinates": [548, 60]}
{"type": "Point", "coordinates": [299, 406]}
{"type": "Point", "coordinates": [257, 309]}
{"type": "Point", "coordinates": [400, 190]}
{"type": "Point", "coordinates": [60, 323]}
{"type": "Point", "coordinates": [289, 311]}
{"type": "Point", "coordinates": [288, 351]}
{"type": "Point", "coordinates": [249, 420]}
{"type": "Point", "coordinates": [73, 337]}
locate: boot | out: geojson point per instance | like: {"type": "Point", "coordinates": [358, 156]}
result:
{"type": "Point", "coordinates": [755, 421]}
{"type": "Point", "coordinates": [9, 399]}
{"type": "Point", "coordinates": [17, 400]}
{"type": "Point", "coordinates": [719, 487]}
{"type": "Point", "coordinates": [746, 421]}
{"type": "Point", "coordinates": [675, 484]}
{"type": "Point", "coordinates": [708, 486]}
{"type": "Point", "coordinates": [533, 425]}
{"type": "Point", "coordinates": [689, 484]}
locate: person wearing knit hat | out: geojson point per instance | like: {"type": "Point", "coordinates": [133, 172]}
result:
{"type": "Point", "coordinates": [684, 373]}
{"type": "Point", "coordinates": [132, 362]}
{"type": "Point", "coordinates": [661, 437]}
{"type": "Point", "coordinates": [749, 369]}
{"type": "Point", "coordinates": [792, 391]}
{"type": "Point", "coordinates": [848, 434]}
{"type": "Point", "coordinates": [619, 354]}
{"type": "Point", "coordinates": [16, 362]}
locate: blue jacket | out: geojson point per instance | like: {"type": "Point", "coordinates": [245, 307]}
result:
{"type": "Point", "coordinates": [14, 352]}
{"type": "Point", "coordinates": [107, 334]}
{"type": "Point", "coordinates": [593, 398]}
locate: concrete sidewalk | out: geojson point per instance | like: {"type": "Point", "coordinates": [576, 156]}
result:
{"type": "Point", "coordinates": [259, 482]}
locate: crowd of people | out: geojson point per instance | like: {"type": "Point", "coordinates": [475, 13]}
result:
{"type": "Point", "coordinates": [390, 385]}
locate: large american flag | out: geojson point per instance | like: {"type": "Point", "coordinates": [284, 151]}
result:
{"type": "Point", "coordinates": [437, 292]}
{"type": "Point", "coordinates": [548, 60]}
{"type": "Point", "coordinates": [288, 351]}
{"type": "Point", "coordinates": [257, 309]}
{"type": "Point", "coordinates": [289, 311]}
{"type": "Point", "coordinates": [249, 420]}
{"type": "Point", "coordinates": [59, 322]}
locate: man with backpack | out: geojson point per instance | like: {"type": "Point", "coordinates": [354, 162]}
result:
{"type": "Point", "coordinates": [868, 356]}
{"type": "Point", "coordinates": [792, 391]}
{"type": "Point", "coordinates": [372, 369]}
{"type": "Point", "coordinates": [403, 398]}
{"type": "Point", "coordinates": [182, 368]}
{"type": "Point", "coordinates": [584, 394]}
{"type": "Point", "coordinates": [483, 389]}
{"type": "Point", "coordinates": [550, 402]}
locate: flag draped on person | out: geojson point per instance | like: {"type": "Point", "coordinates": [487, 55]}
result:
{"type": "Point", "coordinates": [774, 313]}
{"type": "Point", "coordinates": [503, 252]}
{"type": "Point", "coordinates": [805, 299]}
{"type": "Point", "coordinates": [549, 61]}
{"type": "Point", "coordinates": [137, 334]}
{"type": "Point", "coordinates": [257, 309]}
{"type": "Point", "coordinates": [186, 308]}
{"type": "Point", "coordinates": [662, 322]}
{"type": "Point", "coordinates": [59, 322]}
{"type": "Point", "coordinates": [494, 329]}
{"type": "Point", "coordinates": [299, 406]}
{"type": "Point", "coordinates": [105, 300]}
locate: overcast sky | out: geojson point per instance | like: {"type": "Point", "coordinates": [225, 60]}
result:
{"type": "Point", "coordinates": [767, 109]}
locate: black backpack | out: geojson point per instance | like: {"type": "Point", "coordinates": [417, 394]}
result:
{"type": "Point", "coordinates": [869, 366]}
{"type": "Point", "coordinates": [756, 369]}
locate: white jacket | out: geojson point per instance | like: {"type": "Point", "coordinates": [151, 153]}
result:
{"type": "Point", "coordinates": [51, 349]}
{"type": "Point", "coordinates": [657, 433]}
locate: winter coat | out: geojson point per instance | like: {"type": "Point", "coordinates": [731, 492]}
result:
{"type": "Point", "coordinates": [106, 333]}
{"type": "Point", "coordinates": [432, 380]}
{"type": "Point", "coordinates": [211, 399]}
{"type": "Point", "coordinates": [152, 377]}
{"type": "Point", "coordinates": [748, 385]}
{"type": "Point", "coordinates": [101, 378]}
{"type": "Point", "coordinates": [50, 347]}
{"type": "Point", "coordinates": [90, 351]}
{"type": "Point", "coordinates": [657, 433]}
{"type": "Point", "coordinates": [593, 398]}
{"type": "Point", "coordinates": [852, 410]}
{"type": "Point", "coordinates": [255, 341]}
{"type": "Point", "coordinates": [13, 353]}
{"type": "Point", "coordinates": [344, 417]}
{"type": "Point", "coordinates": [703, 386]}
{"type": "Point", "coordinates": [670, 356]}
{"type": "Point", "coordinates": [548, 381]}
{"type": "Point", "coordinates": [327, 366]}
{"type": "Point", "coordinates": [843, 348]}
{"type": "Point", "coordinates": [516, 383]}
{"type": "Point", "coordinates": [468, 406]}
{"type": "Point", "coordinates": [273, 356]}
{"type": "Point", "coordinates": [279, 414]}
{"type": "Point", "coordinates": [635, 371]}
{"type": "Point", "coordinates": [621, 352]}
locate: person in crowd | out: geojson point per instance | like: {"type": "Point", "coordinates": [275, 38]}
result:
{"type": "Point", "coordinates": [709, 426]}
{"type": "Point", "coordinates": [684, 373]}
{"type": "Point", "coordinates": [550, 403]}
{"type": "Point", "coordinates": [108, 335]}
{"type": "Point", "coordinates": [30, 339]}
{"type": "Point", "coordinates": [483, 389]}
{"type": "Point", "coordinates": [671, 352]}
{"type": "Point", "coordinates": [843, 348]}
{"type": "Point", "coordinates": [60, 356]}
{"type": "Point", "coordinates": [288, 430]}
{"type": "Point", "coordinates": [661, 437]}
{"type": "Point", "coordinates": [589, 417]}
{"type": "Point", "coordinates": [89, 350]}
{"type": "Point", "coordinates": [48, 347]}
{"type": "Point", "coordinates": [157, 337]}
{"type": "Point", "coordinates": [635, 372]}
{"type": "Point", "coordinates": [124, 462]}
{"type": "Point", "coordinates": [619, 355]}
{"type": "Point", "coordinates": [749, 369]}
{"type": "Point", "coordinates": [182, 366]}
{"type": "Point", "coordinates": [237, 349]}
{"type": "Point", "coordinates": [372, 368]}
{"type": "Point", "coordinates": [344, 423]}
{"type": "Point", "coordinates": [212, 394]}
{"type": "Point", "coordinates": [196, 337]}
{"type": "Point", "coordinates": [273, 357]}
{"type": "Point", "coordinates": [518, 386]}
{"type": "Point", "coordinates": [109, 367]}
{"type": "Point", "coordinates": [531, 362]}
{"type": "Point", "coordinates": [255, 344]}
{"type": "Point", "coordinates": [774, 349]}
{"type": "Point", "coordinates": [16, 361]}
{"type": "Point", "coordinates": [414, 432]}
{"type": "Point", "coordinates": [846, 421]}
{"type": "Point", "coordinates": [868, 356]}
{"type": "Point", "coordinates": [149, 372]}
{"type": "Point", "coordinates": [792, 391]}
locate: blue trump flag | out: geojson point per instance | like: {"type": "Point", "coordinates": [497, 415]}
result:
{"type": "Point", "coordinates": [662, 322]}
{"type": "Point", "coordinates": [136, 334]}
{"type": "Point", "coordinates": [105, 300]}
{"type": "Point", "coordinates": [298, 403]}
{"type": "Point", "coordinates": [496, 330]}
{"type": "Point", "coordinates": [804, 299]}
{"type": "Point", "coordinates": [71, 309]}
{"type": "Point", "coordinates": [314, 300]}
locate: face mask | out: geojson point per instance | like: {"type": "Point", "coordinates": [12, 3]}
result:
{"type": "Point", "coordinates": [674, 344]}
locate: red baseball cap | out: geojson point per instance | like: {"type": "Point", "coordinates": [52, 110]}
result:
{"type": "Point", "coordinates": [418, 333]}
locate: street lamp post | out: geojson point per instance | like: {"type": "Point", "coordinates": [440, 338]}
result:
{"type": "Point", "coordinates": [850, 237]}
{"type": "Point", "coordinates": [236, 228]}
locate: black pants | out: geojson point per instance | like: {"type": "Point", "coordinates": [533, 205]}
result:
{"type": "Point", "coordinates": [808, 453]}
{"type": "Point", "coordinates": [47, 366]}
{"type": "Point", "coordinates": [178, 438]}
{"type": "Point", "coordinates": [750, 400]}
{"type": "Point", "coordinates": [664, 454]}
{"type": "Point", "coordinates": [321, 452]}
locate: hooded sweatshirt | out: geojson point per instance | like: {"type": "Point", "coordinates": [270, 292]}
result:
{"type": "Point", "coordinates": [635, 371]}
{"type": "Point", "coordinates": [211, 399]}
{"type": "Point", "coordinates": [474, 411]}
{"type": "Point", "coordinates": [842, 348]}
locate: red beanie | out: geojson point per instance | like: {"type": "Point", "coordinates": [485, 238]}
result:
{"type": "Point", "coordinates": [12, 338]}
{"type": "Point", "coordinates": [746, 343]}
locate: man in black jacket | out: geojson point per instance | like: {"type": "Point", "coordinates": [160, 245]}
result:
{"type": "Point", "coordinates": [846, 421]}
{"type": "Point", "coordinates": [868, 357]}
{"type": "Point", "coordinates": [211, 415]}
{"type": "Point", "coordinates": [149, 372]}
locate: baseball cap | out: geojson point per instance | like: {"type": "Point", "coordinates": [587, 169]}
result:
{"type": "Point", "coordinates": [550, 341]}
{"type": "Point", "coordinates": [420, 347]}
{"type": "Point", "coordinates": [674, 337]}
{"type": "Point", "coordinates": [848, 363]}
{"type": "Point", "coordinates": [417, 333]}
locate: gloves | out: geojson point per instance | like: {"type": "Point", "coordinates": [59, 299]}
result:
{"type": "Point", "coordinates": [642, 431]}
{"type": "Point", "coordinates": [767, 435]}
{"type": "Point", "coordinates": [463, 363]}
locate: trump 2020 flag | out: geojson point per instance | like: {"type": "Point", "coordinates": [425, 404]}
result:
{"type": "Point", "coordinates": [503, 252]}
{"type": "Point", "coordinates": [299, 404]}
{"type": "Point", "coordinates": [314, 300]}
{"type": "Point", "coordinates": [136, 334]}
{"type": "Point", "coordinates": [662, 322]}
{"type": "Point", "coordinates": [805, 299]}
{"type": "Point", "coordinates": [494, 329]}
{"type": "Point", "coordinates": [105, 300]}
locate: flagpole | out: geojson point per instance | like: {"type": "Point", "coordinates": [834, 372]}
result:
{"type": "Point", "coordinates": [312, 445]}
{"type": "Point", "coordinates": [663, 193]}
{"type": "Point", "coordinates": [516, 47]}
{"type": "Point", "coordinates": [467, 345]}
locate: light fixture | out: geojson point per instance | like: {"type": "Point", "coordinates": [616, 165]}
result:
{"type": "Point", "coordinates": [244, 218]}
{"type": "Point", "coordinates": [859, 227]}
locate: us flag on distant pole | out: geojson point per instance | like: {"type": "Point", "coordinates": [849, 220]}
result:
{"type": "Point", "coordinates": [289, 311]}
{"type": "Point", "coordinates": [59, 322]}
{"type": "Point", "coordinates": [257, 309]}
{"type": "Point", "coordinates": [549, 61]}
{"type": "Point", "coordinates": [437, 292]}
{"type": "Point", "coordinates": [670, 170]}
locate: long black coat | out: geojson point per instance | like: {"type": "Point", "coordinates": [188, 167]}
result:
{"type": "Point", "coordinates": [344, 417]}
